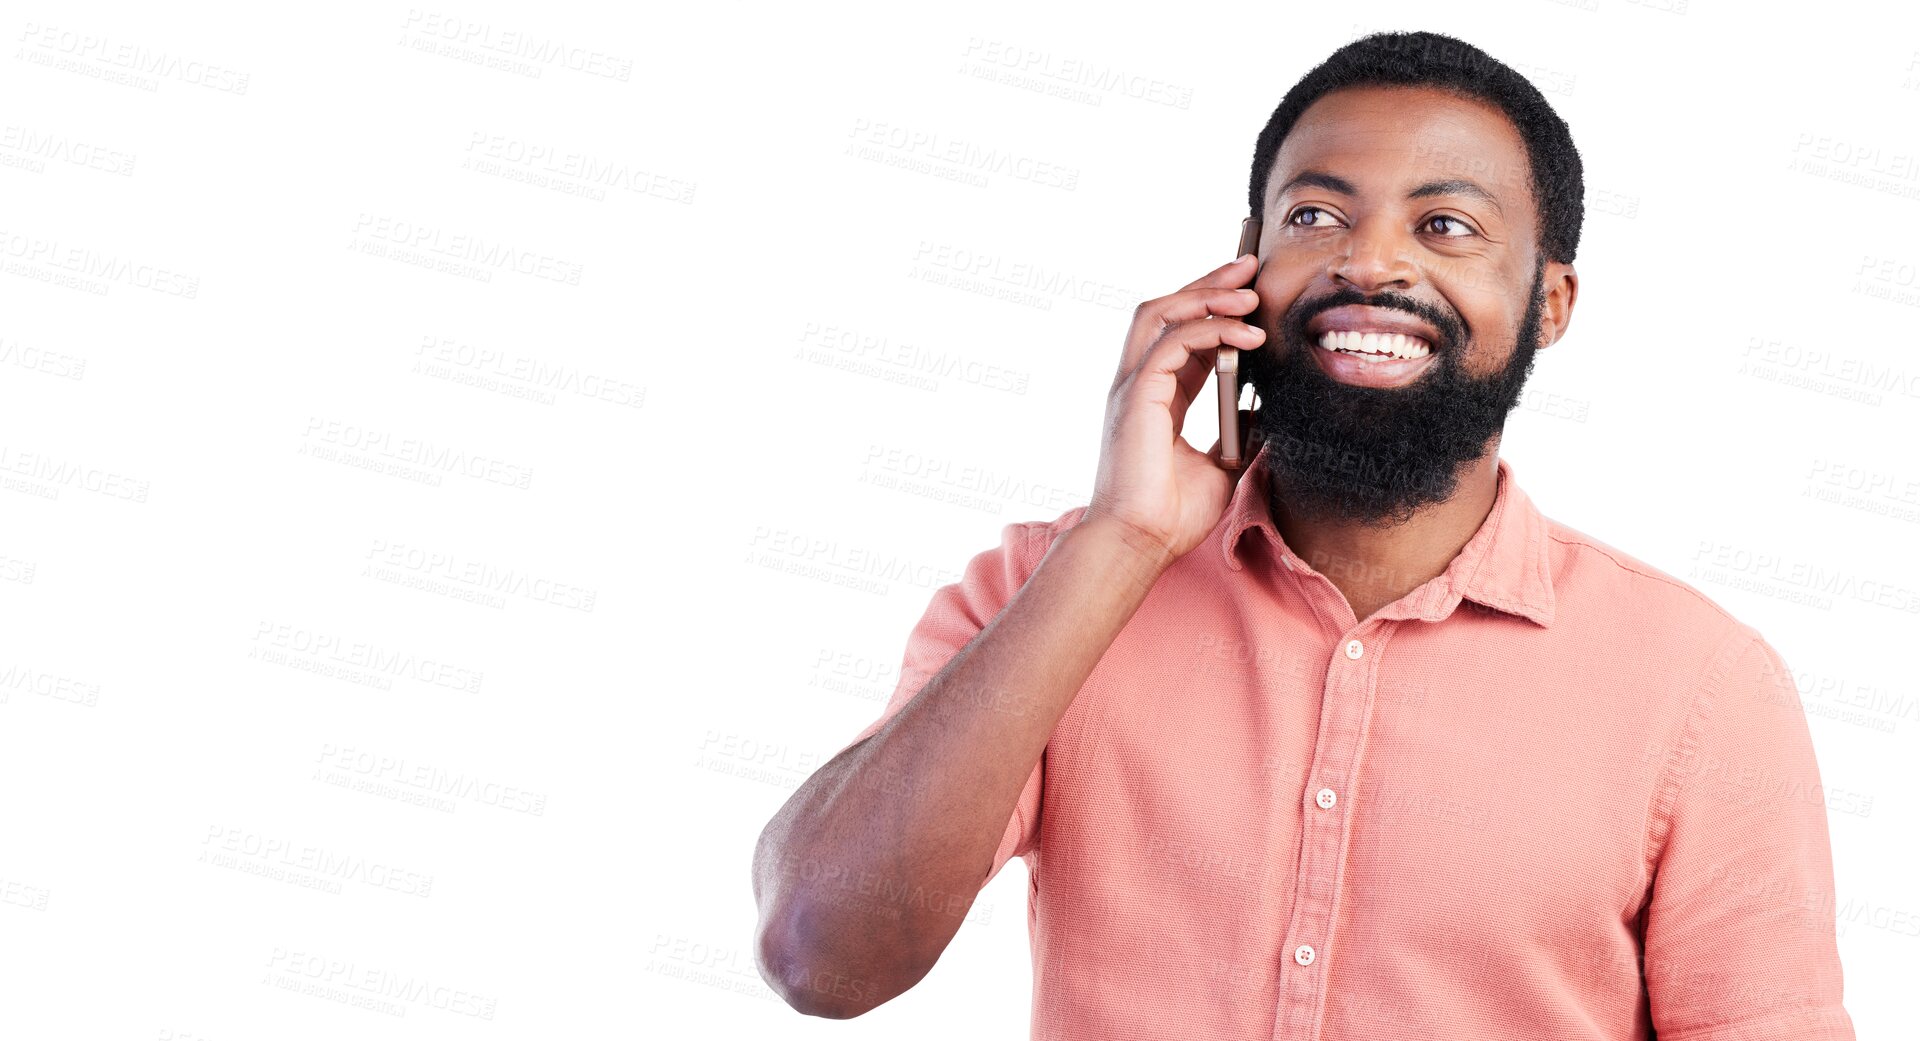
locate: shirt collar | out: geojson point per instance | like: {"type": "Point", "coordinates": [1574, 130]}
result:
{"type": "Point", "coordinates": [1504, 566]}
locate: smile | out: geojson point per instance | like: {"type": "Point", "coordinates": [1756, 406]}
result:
{"type": "Point", "coordinates": [1376, 345]}
{"type": "Point", "coordinates": [1372, 359]}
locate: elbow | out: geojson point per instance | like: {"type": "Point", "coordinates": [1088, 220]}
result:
{"type": "Point", "coordinates": [788, 967]}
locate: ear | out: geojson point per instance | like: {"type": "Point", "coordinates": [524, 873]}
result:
{"type": "Point", "coordinates": [1561, 284]}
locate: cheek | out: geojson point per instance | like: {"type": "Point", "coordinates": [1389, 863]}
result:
{"type": "Point", "coordinates": [1279, 289]}
{"type": "Point", "coordinates": [1490, 307]}
{"type": "Point", "coordinates": [1492, 331]}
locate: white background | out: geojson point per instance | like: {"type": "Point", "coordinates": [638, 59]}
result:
{"type": "Point", "coordinates": [370, 620]}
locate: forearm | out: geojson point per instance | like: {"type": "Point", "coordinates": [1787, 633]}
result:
{"type": "Point", "coordinates": [865, 875]}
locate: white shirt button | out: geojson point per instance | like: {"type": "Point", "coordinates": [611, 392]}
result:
{"type": "Point", "coordinates": [1303, 954]}
{"type": "Point", "coordinates": [1325, 798]}
{"type": "Point", "coordinates": [1355, 649]}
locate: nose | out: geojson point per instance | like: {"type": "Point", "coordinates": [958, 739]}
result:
{"type": "Point", "coordinates": [1376, 258]}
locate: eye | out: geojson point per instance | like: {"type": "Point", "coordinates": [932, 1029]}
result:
{"type": "Point", "coordinates": [1455, 220]}
{"type": "Point", "coordinates": [1292, 218]}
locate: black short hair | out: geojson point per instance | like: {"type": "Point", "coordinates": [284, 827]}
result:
{"type": "Point", "coordinates": [1424, 59]}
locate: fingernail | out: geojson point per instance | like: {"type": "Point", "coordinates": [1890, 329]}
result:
{"type": "Point", "coordinates": [1244, 257]}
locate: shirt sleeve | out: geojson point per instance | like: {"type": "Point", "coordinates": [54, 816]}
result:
{"type": "Point", "coordinates": [1740, 939]}
{"type": "Point", "coordinates": [955, 615]}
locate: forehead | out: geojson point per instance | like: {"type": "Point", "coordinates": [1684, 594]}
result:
{"type": "Point", "coordinates": [1388, 139]}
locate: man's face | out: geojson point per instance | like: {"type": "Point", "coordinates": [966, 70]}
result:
{"type": "Point", "coordinates": [1345, 254]}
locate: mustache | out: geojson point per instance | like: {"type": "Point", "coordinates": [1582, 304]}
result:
{"type": "Point", "coordinates": [1451, 329]}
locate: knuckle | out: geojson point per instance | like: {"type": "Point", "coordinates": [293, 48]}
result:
{"type": "Point", "coordinates": [1155, 310]}
{"type": "Point", "coordinates": [1199, 333]}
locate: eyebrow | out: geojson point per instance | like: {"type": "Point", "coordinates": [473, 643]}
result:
{"type": "Point", "coordinates": [1334, 183]}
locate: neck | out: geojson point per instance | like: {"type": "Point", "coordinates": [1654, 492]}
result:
{"type": "Point", "coordinates": [1376, 565]}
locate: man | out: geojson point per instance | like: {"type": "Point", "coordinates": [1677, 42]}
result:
{"type": "Point", "coordinates": [1356, 744]}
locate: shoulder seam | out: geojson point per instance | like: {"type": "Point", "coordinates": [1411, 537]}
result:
{"type": "Point", "coordinates": [1700, 711]}
{"type": "Point", "coordinates": [1643, 572]}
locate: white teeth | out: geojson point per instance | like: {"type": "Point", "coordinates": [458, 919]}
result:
{"type": "Point", "coordinates": [1383, 345]}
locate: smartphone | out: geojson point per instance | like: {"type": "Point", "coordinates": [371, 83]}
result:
{"type": "Point", "coordinates": [1226, 363]}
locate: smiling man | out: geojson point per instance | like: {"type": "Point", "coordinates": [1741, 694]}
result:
{"type": "Point", "coordinates": [1418, 277]}
{"type": "Point", "coordinates": [1356, 743]}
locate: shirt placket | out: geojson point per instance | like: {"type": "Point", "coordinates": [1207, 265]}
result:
{"type": "Point", "coordinates": [1346, 700]}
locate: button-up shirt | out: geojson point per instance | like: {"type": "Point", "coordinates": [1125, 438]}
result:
{"type": "Point", "coordinates": [1552, 792]}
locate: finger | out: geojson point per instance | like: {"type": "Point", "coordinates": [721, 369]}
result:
{"type": "Point", "coordinates": [1192, 381]}
{"type": "Point", "coordinates": [1236, 272]}
{"type": "Point", "coordinates": [1151, 318]}
{"type": "Point", "coordinates": [1202, 335]}
{"type": "Point", "coordinates": [1188, 344]}
{"type": "Point", "coordinates": [1212, 293]}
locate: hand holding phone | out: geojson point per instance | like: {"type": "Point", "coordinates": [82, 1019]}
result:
{"type": "Point", "coordinates": [1159, 492]}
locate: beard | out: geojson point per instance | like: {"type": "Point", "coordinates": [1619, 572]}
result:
{"type": "Point", "coordinates": [1374, 455]}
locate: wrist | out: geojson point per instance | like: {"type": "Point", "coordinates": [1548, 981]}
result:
{"type": "Point", "coordinates": [1130, 549]}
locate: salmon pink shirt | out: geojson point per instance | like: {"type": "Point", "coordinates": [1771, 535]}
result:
{"type": "Point", "coordinates": [1551, 793]}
